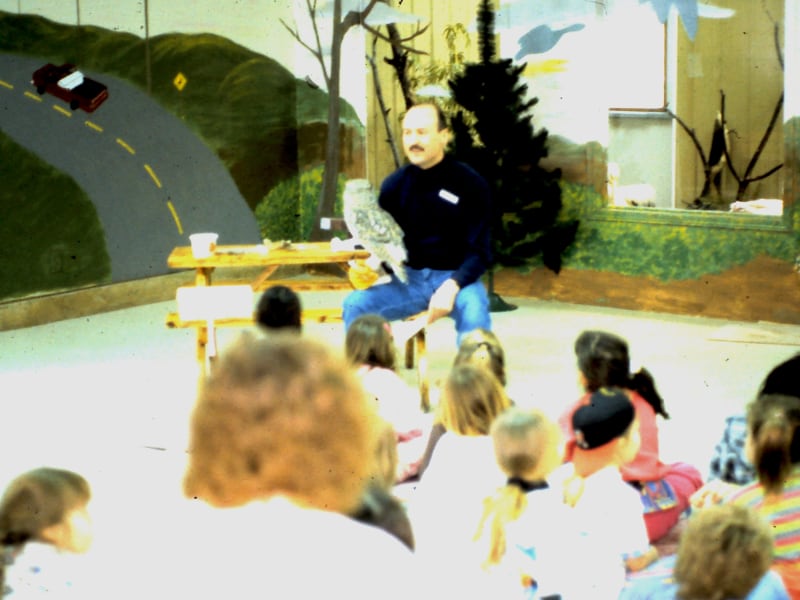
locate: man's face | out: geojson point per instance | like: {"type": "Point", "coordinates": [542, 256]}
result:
{"type": "Point", "coordinates": [423, 142]}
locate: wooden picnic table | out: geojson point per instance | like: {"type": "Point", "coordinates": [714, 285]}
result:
{"type": "Point", "coordinates": [270, 257]}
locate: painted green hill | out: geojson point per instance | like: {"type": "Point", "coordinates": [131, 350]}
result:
{"type": "Point", "coordinates": [247, 107]}
{"type": "Point", "coordinates": [46, 246]}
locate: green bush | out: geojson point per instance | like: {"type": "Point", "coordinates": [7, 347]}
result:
{"type": "Point", "coordinates": [287, 211]}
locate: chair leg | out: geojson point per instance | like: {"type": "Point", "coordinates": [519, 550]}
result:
{"type": "Point", "coordinates": [410, 353]}
{"type": "Point", "coordinates": [422, 370]}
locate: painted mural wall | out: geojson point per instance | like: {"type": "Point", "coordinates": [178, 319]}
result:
{"type": "Point", "coordinates": [181, 117]}
{"type": "Point", "coordinates": [716, 262]}
{"type": "Point", "coordinates": [225, 130]}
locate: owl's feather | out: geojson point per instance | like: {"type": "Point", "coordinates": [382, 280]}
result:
{"type": "Point", "coordinates": [373, 227]}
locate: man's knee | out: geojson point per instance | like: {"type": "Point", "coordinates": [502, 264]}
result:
{"type": "Point", "coordinates": [354, 305]}
{"type": "Point", "coordinates": [472, 308]}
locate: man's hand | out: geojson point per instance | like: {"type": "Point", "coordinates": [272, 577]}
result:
{"type": "Point", "coordinates": [442, 301]}
{"type": "Point", "coordinates": [361, 274]}
{"type": "Point", "coordinates": [713, 492]}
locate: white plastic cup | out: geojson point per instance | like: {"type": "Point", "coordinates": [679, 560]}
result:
{"type": "Point", "coordinates": [203, 244]}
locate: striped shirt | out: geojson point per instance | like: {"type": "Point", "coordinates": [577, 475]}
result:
{"type": "Point", "coordinates": [782, 513]}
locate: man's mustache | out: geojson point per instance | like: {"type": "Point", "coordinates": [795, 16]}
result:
{"type": "Point", "coordinates": [416, 147]}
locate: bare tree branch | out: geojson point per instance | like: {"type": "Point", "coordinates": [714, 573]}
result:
{"type": "Point", "coordinates": [355, 17]}
{"type": "Point", "coordinates": [743, 181]}
{"type": "Point", "coordinates": [692, 135]}
{"type": "Point", "coordinates": [401, 42]}
{"type": "Point", "coordinates": [399, 62]}
{"type": "Point", "coordinates": [382, 104]}
{"type": "Point", "coordinates": [317, 53]}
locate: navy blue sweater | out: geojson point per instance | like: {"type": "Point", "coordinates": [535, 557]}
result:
{"type": "Point", "coordinates": [444, 214]}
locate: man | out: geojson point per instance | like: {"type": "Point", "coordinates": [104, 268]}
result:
{"type": "Point", "coordinates": [442, 206]}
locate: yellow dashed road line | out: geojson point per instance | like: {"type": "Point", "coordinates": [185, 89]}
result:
{"type": "Point", "coordinates": [63, 111]}
{"type": "Point", "coordinates": [94, 126]}
{"type": "Point", "coordinates": [175, 216]}
{"type": "Point", "coordinates": [7, 85]}
{"type": "Point", "coordinates": [122, 143]}
{"type": "Point", "coordinates": [152, 174]}
{"type": "Point", "coordinates": [33, 96]}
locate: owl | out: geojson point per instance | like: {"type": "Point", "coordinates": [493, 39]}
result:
{"type": "Point", "coordinates": [373, 227]}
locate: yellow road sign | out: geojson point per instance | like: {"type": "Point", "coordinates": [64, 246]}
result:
{"type": "Point", "coordinates": [179, 81]}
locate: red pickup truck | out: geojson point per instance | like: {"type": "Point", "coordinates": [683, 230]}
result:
{"type": "Point", "coordinates": [69, 84]}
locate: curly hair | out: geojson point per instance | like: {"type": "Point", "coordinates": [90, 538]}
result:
{"type": "Point", "coordinates": [281, 416]}
{"type": "Point", "coordinates": [723, 553]}
{"type": "Point", "coordinates": [482, 347]}
{"type": "Point", "coordinates": [472, 398]}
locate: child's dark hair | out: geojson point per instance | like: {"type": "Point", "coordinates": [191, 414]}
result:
{"type": "Point", "coordinates": [279, 307]}
{"type": "Point", "coordinates": [772, 424]}
{"type": "Point", "coordinates": [784, 378]}
{"type": "Point", "coordinates": [482, 347]}
{"type": "Point", "coordinates": [604, 360]}
{"type": "Point", "coordinates": [369, 341]}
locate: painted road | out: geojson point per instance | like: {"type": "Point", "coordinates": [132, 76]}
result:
{"type": "Point", "coordinates": [151, 179]}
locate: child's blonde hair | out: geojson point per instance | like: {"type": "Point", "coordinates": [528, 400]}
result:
{"type": "Point", "coordinates": [471, 399]}
{"type": "Point", "coordinates": [723, 553]}
{"type": "Point", "coordinates": [482, 347]}
{"type": "Point", "coordinates": [369, 341]}
{"type": "Point", "coordinates": [527, 449]}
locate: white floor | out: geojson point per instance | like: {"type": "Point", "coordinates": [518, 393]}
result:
{"type": "Point", "coordinates": [110, 395]}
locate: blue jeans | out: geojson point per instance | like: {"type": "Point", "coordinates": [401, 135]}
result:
{"type": "Point", "coordinates": [395, 300]}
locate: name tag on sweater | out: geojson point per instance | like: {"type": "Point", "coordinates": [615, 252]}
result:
{"type": "Point", "coordinates": [449, 196]}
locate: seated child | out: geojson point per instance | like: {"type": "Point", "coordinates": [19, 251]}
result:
{"type": "Point", "coordinates": [447, 502]}
{"type": "Point", "coordinates": [606, 510]}
{"type": "Point", "coordinates": [666, 489]}
{"type": "Point", "coordinates": [44, 526]}
{"type": "Point", "coordinates": [725, 552]}
{"type": "Point", "coordinates": [379, 506]}
{"type": "Point", "coordinates": [730, 467]}
{"type": "Point", "coordinates": [773, 446]}
{"type": "Point", "coordinates": [479, 347]}
{"type": "Point", "coordinates": [369, 346]}
{"type": "Point", "coordinates": [524, 533]}
{"type": "Point", "coordinates": [280, 309]}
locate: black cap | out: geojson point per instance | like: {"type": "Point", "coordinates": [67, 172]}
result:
{"type": "Point", "coordinates": [607, 416]}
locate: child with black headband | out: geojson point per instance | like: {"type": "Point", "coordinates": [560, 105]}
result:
{"type": "Point", "coordinates": [665, 488]}
{"type": "Point", "coordinates": [606, 510]}
{"type": "Point", "coordinates": [524, 532]}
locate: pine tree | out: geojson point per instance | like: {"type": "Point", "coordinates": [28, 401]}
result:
{"type": "Point", "coordinates": [493, 133]}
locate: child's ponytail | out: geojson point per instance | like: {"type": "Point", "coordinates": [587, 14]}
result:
{"type": "Point", "coordinates": [642, 382]}
{"type": "Point", "coordinates": [499, 510]}
{"type": "Point", "coordinates": [773, 421]}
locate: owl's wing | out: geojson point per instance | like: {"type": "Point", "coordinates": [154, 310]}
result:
{"type": "Point", "coordinates": [379, 233]}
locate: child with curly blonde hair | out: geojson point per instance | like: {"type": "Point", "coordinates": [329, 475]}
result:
{"type": "Point", "coordinates": [725, 552]}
